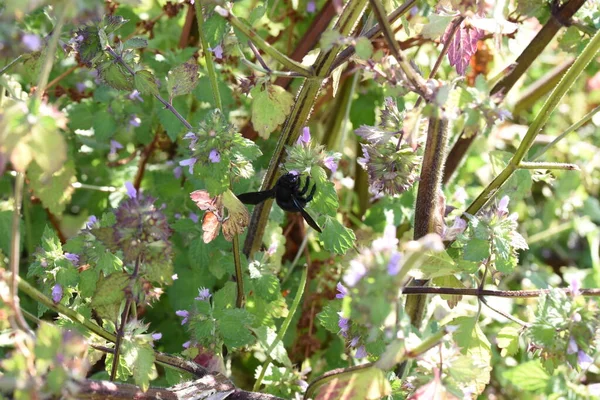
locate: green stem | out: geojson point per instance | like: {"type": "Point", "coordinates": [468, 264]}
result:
{"type": "Point", "coordinates": [210, 65]}
{"type": "Point", "coordinates": [572, 128]}
{"type": "Point", "coordinates": [239, 275]}
{"type": "Point", "coordinates": [300, 113]}
{"type": "Point", "coordinates": [548, 165]}
{"type": "Point", "coordinates": [283, 329]}
{"type": "Point", "coordinates": [555, 97]}
{"type": "Point", "coordinates": [262, 44]}
{"type": "Point", "coordinates": [549, 232]}
{"type": "Point", "coordinates": [10, 64]}
{"type": "Point", "coordinates": [49, 59]}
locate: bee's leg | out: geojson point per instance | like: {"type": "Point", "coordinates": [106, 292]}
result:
{"type": "Point", "coordinates": [303, 191]}
{"type": "Point", "coordinates": [312, 193]}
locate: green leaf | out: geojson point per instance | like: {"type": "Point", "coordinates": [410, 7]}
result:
{"type": "Point", "coordinates": [368, 383]}
{"type": "Point", "coordinates": [336, 237]}
{"type": "Point", "coordinates": [234, 327]}
{"type": "Point", "coordinates": [518, 186]}
{"type": "Point", "coordinates": [48, 145]}
{"type": "Point", "coordinates": [437, 264]}
{"type": "Point", "coordinates": [104, 125]}
{"type": "Point", "coordinates": [266, 336]}
{"type": "Point", "coordinates": [326, 199]}
{"type": "Point", "coordinates": [265, 284]}
{"type": "Point", "coordinates": [436, 26]}
{"type": "Point", "coordinates": [88, 48]}
{"type": "Point", "coordinates": [476, 250]}
{"type": "Point", "coordinates": [54, 191]}
{"type": "Point", "coordinates": [215, 28]}
{"type": "Point", "coordinates": [183, 78]}
{"type": "Point", "coordinates": [50, 241]}
{"type": "Point", "coordinates": [140, 359]}
{"type": "Point", "coordinates": [529, 376]}
{"type": "Point", "coordinates": [109, 294]}
{"type": "Point", "coordinates": [364, 48]}
{"type": "Point", "coordinates": [145, 82]}
{"type": "Point", "coordinates": [135, 43]}
{"type": "Point", "coordinates": [270, 108]}
{"type": "Point", "coordinates": [48, 341]}
{"type": "Point", "coordinates": [109, 263]}
{"type": "Point", "coordinates": [329, 317]}
{"type": "Point", "coordinates": [115, 75]}
{"type": "Point", "coordinates": [508, 341]}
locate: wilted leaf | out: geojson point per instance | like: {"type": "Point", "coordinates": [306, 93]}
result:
{"type": "Point", "coordinates": [462, 46]}
{"type": "Point", "coordinates": [210, 227]}
{"type": "Point", "coordinates": [270, 107]}
{"type": "Point", "coordinates": [183, 78]}
{"type": "Point", "coordinates": [238, 216]}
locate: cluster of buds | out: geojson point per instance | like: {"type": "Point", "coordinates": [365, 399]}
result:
{"type": "Point", "coordinates": [392, 166]}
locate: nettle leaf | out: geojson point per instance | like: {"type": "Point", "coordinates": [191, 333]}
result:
{"type": "Point", "coordinates": [135, 43]}
{"type": "Point", "coordinates": [234, 326]}
{"type": "Point", "coordinates": [215, 27]}
{"type": "Point", "coordinates": [115, 75]}
{"type": "Point", "coordinates": [336, 237]}
{"type": "Point", "coordinates": [265, 284]}
{"type": "Point", "coordinates": [436, 264]}
{"type": "Point", "coordinates": [109, 294]}
{"type": "Point", "coordinates": [508, 341]}
{"type": "Point", "coordinates": [436, 26]}
{"type": "Point", "coordinates": [329, 317]}
{"type": "Point", "coordinates": [476, 250]}
{"type": "Point", "coordinates": [518, 186]}
{"type": "Point", "coordinates": [140, 359]}
{"type": "Point", "coordinates": [529, 376]}
{"type": "Point", "coordinates": [363, 48]}
{"type": "Point", "coordinates": [326, 198]}
{"type": "Point", "coordinates": [183, 78]}
{"type": "Point", "coordinates": [266, 337]}
{"type": "Point", "coordinates": [54, 191]}
{"type": "Point", "coordinates": [462, 46]}
{"type": "Point", "coordinates": [270, 108]}
{"type": "Point", "coordinates": [111, 23]}
{"type": "Point", "coordinates": [88, 45]}
{"type": "Point", "coordinates": [145, 82]}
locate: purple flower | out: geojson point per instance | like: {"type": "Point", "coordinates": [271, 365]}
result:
{"type": "Point", "coordinates": [44, 263]}
{"type": "Point", "coordinates": [135, 95]}
{"type": "Point", "coordinates": [457, 228]}
{"type": "Point", "coordinates": [174, 277]}
{"type": "Point", "coordinates": [189, 163]}
{"type": "Point", "coordinates": [157, 336]}
{"type": "Point", "coordinates": [135, 121]}
{"type": "Point", "coordinates": [131, 192]}
{"type": "Point", "coordinates": [177, 215]}
{"type": "Point", "coordinates": [575, 287]}
{"type": "Point", "coordinates": [186, 345]}
{"type": "Point", "coordinates": [74, 258]}
{"type": "Point", "coordinates": [354, 341]}
{"type": "Point", "coordinates": [217, 51]}
{"type": "Point", "coordinates": [214, 156]}
{"type": "Point", "coordinates": [31, 42]}
{"type": "Point", "coordinates": [331, 163]}
{"type": "Point", "coordinates": [393, 266]}
{"type": "Point", "coordinates": [503, 114]}
{"type": "Point", "coordinates": [57, 293]}
{"type": "Point", "coordinates": [194, 217]}
{"type": "Point", "coordinates": [305, 137]}
{"type": "Point", "coordinates": [80, 86]}
{"type": "Point", "coordinates": [343, 323]}
{"type": "Point", "coordinates": [311, 7]}
{"type": "Point", "coordinates": [177, 172]}
{"type": "Point", "coordinates": [342, 291]}
{"type": "Point", "coordinates": [583, 360]}
{"type": "Point", "coordinates": [502, 209]}
{"type": "Point", "coordinates": [355, 273]}
{"type": "Point", "coordinates": [183, 314]}
{"type": "Point", "coordinates": [191, 136]}
{"type": "Point", "coordinates": [572, 348]}
{"type": "Point", "coordinates": [361, 352]}
{"type": "Point", "coordinates": [203, 294]}
{"type": "Point", "coordinates": [91, 221]}
{"type": "Point", "coordinates": [114, 146]}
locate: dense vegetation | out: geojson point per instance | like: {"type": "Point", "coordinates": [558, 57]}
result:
{"type": "Point", "coordinates": [454, 151]}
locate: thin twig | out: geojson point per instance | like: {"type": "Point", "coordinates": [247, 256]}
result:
{"type": "Point", "coordinates": [61, 76]}
{"type": "Point", "coordinates": [210, 65]}
{"type": "Point", "coordinates": [410, 290]}
{"type": "Point", "coordinates": [15, 257]}
{"type": "Point", "coordinates": [167, 105]}
{"type": "Point", "coordinates": [137, 182]}
{"type": "Point", "coordinates": [124, 317]}
{"type": "Point", "coordinates": [258, 56]}
{"type": "Point", "coordinates": [548, 165]}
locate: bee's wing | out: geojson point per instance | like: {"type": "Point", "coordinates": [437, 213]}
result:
{"type": "Point", "coordinates": [256, 197]}
{"type": "Point", "coordinates": [307, 217]}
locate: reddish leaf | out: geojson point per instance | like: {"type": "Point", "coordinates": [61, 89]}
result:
{"type": "Point", "coordinates": [463, 46]}
{"type": "Point", "coordinates": [210, 226]}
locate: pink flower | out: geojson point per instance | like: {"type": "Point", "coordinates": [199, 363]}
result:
{"type": "Point", "coordinates": [331, 163]}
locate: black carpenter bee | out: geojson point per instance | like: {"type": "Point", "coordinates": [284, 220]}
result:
{"type": "Point", "coordinates": [288, 195]}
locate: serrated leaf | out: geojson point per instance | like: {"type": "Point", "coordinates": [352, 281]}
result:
{"type": "Point", "coordinates": [508, 340]}
{"type": "Point", "coordinates": [437, 264]}
{"type": "Point", "coordinates": [270, 108]}
{"type": "Point", "coordinates": [336, 237]}
{"type": "Point", "coordinates": [88, 46]}
{"type": "Point", "coordinates": [329, 317]}
{"type": "Point", "coordinates": [183, 78]}
{"type": "Point", "coordinates": [266, 336]}
{"type": "Point", "coordinates": [135, 43]}
{"type": "Point", "coordinates": [145, 82]}
{"type": "Point", "coordinates": [109, 294]}
{"type": "Point", "coordinates": [529, 376]}
{"type": "Point", "coordinates": [450, 281]}
{"type": "Point", "coordinates": [48, 146]}
{"type": "Point", "coordinates": [215, 28]}
{"type": "Point", "coordinates": [233, 326]}
{"type": "Point", "coordinates": [436, 26]}
{"type": "Point", "coordinates": [476, 250]}
{"type": "Point", "coordinates": [54, 191]}
{"type": "Point", "coordinates": [325, 200]}
{"type": "Point", "coordinates": [518, 186]}
{"type": "Point", "coordinates": [115, 75]}
{"type": "Point", "coordinates": [140, 359]}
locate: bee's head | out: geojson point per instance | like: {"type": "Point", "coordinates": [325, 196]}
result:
{"type": "Point", "coordinates": [290, 179]}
